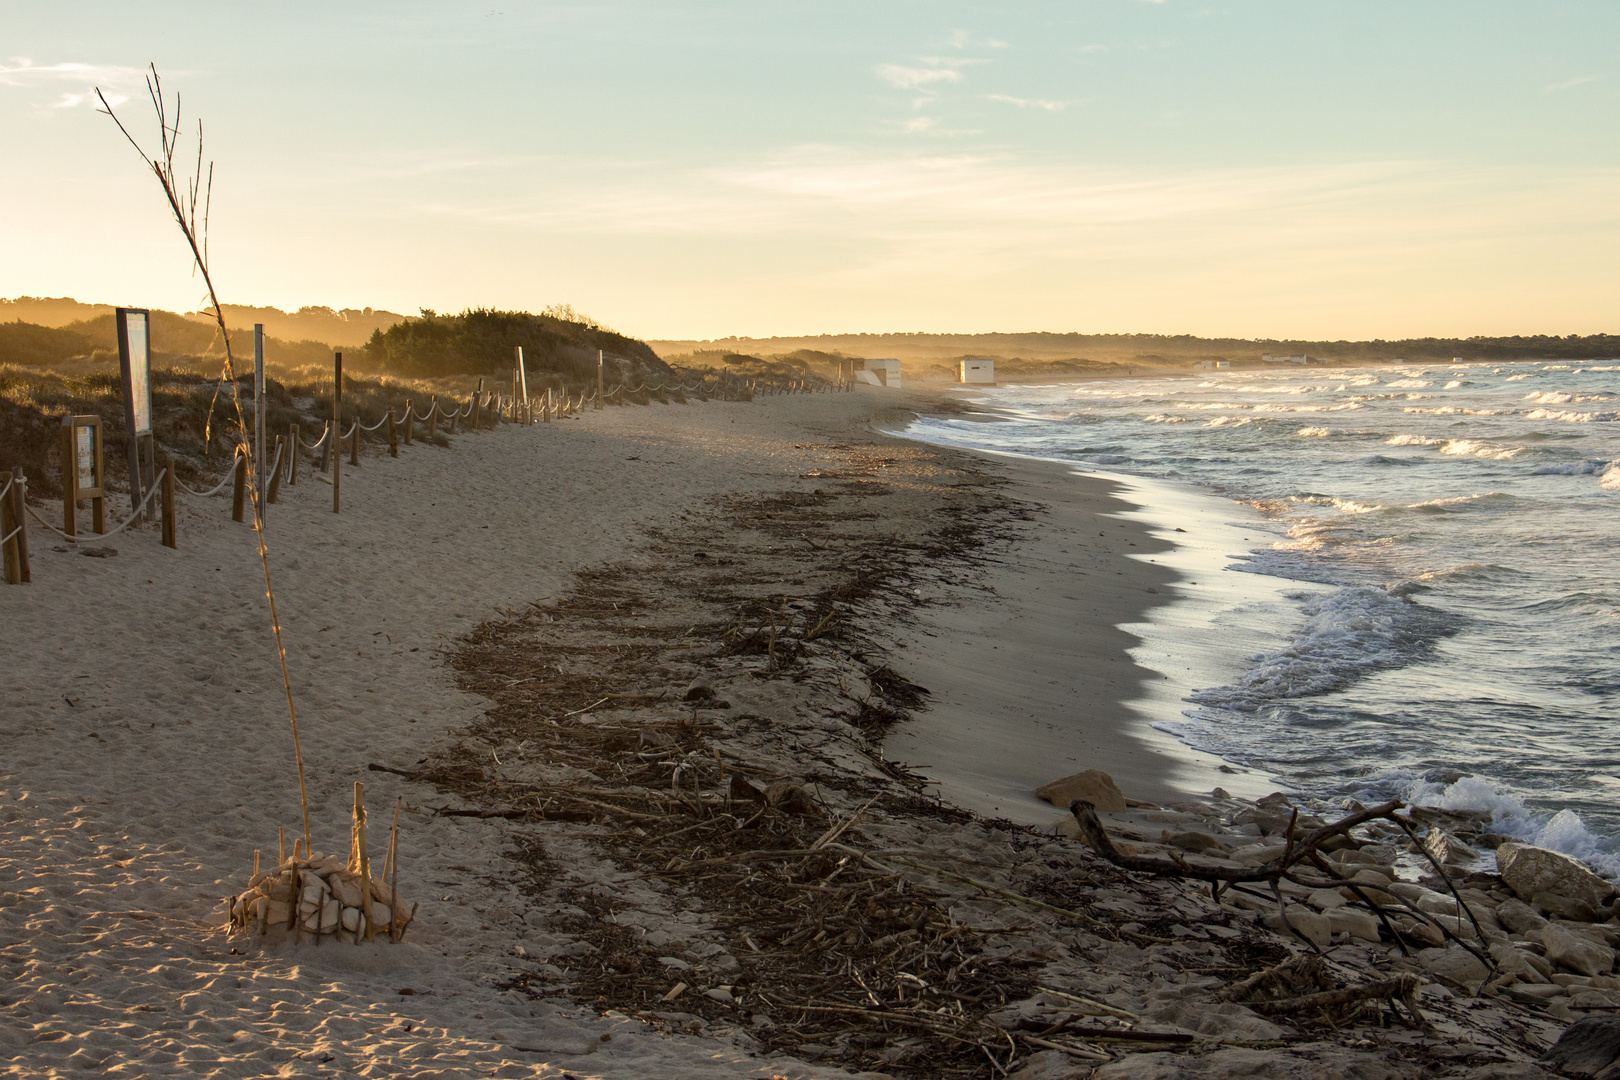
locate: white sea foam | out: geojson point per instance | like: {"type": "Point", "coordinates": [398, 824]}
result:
{"type": "Point", "coordinates": [1570, 416]}
{"type": "Point", "coordinates": [1611, 480]}
{"type": "Point", "coordinates": [1348, 633]}
{"type": "Point", "coordinates": [1413, 440]}
{"type": "Point", "coordinates": [1452, 385]}
{"type": "Point", "coordinates": [1165, 418]}
{"type": "Point", "coordinates": [1474, 448]}
{"type": "Point", "coordinates": [1563, 831]}
{"type": "Point", "coordinates": [1314, 432]}
{"type": "Point", "coordinates": [1229, 421]}
{"type": "Point", "coordinates": [1409, 384]}
{"type": "Point", "coordinates": [1565, 397]}
{"type": "Point", "coordinates": [1572, 468]}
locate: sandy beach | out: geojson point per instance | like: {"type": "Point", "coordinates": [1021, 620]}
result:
{"type": "Point", "coordinates": [147, 750]}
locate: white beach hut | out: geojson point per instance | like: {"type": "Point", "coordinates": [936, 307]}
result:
{"type": "Point", "coordinates": [878, 372]}
{"type": "Point", "coordinates": [976, 372]}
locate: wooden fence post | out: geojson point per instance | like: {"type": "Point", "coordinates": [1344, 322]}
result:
{"type": "Point", "coordinates": [393, 435]}
{"type": "Point", "coordinates": [326, 446]}
{"type": "Point", "coordinates": [433, 418]}
{"type": "Point", "coordinates": [336, 441]}
{"type": "Point", "coordinates": [292, 458]}
{"type": "Point", "coordinates": [410, 422]}
{"type": "Point", "coordinates": [20, 510]}
{"type": "Point", "coordinates": [238, 486]}
{"type": "Point", "coordinates": [275, 472]}
{"type": "Point", "coordinates": [166, 494]}
{"type": "Point", "coordinates": [9, 561]}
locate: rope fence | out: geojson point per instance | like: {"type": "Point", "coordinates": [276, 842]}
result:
{"type": "Point", "coordinates": [481, 409]}
{"type": "Point", "coordinates": [134, 517]}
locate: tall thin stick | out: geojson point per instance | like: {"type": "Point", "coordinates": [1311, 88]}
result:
{"type": "Point", "coordinates": [184, 209]}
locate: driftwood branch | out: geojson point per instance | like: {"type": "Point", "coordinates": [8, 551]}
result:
{"type": "Point", "coordinates": [1096, 837]}
{"type": "Point", "coordinates": [1402, 986]}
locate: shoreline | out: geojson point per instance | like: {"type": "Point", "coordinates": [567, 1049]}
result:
{"type": "Point", "coordinates": [148, 758]}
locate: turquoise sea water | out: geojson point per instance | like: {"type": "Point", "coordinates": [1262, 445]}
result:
{"type": "Point", "coordinates": [1453, 533]}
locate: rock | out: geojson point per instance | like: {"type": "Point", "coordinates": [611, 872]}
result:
{"type": "Point", "coordinates": [1093, 785]}
{"type": "Point", "coordinates": [1563, 907]}
{"type": "Point", "coordinates": [1507, 1070]}
{"type": "Point", "coordinates": [352, 920]}
{"type": "Point", "coordinates": [1304, 922]}
{"type": "Point", "coordinates": [1326, 899]}
{"type": "Point", "coordinates": [346, 891]}
{"type": "Point", "coordinates": [1065, 826]}
{"type": "Point", "coordinates": [1051, 1065]}
{"type": "Point", "coordinates": [1437, 844]}
{"type": "Point", "coordinates": [1523, 964]}
{"type": "Point", "coordinates": [1353, 921]}
{"type": "Point", "coordinates": [654, 739]}
{"type": "Point", "coordinates": [720, 994]}
{"type": "Point", "coordinates": [1577, 953]}
{"type": "Point", "coordinates": [1194, 841]}
{"type": "Point", "coordinates": [1229, 1021]}
{"type": "Point", "coordinates": [1421, 933]}
{"type": "Point", "coordinates": [1454, 967]}
{"type": "Point", "coordinates": [1530, 870]}
{"type": "Point", "coordinates": [1518, 917]}
{"type": "Point", "coordinates": [1590, 998]}
{"type": "Point", "coordinates": [792, 799]}
{"type": "Point", "coordinates": [1588, 1047]}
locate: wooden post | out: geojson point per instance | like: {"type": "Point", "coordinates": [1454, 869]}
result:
{"type": "Point", "coordinates": [599, 360]}
{"type": "Point", "coordinates": [410, 422]}
{"type": "Point", "coordinates": [478, 406]}
{"type": "Point", "coordinates": [545, 407]}
{"type": "Point", "coordinates": [292, 458]}
{"type": "Point", "coordinates": [337, 432]}
{"type": "Point", "coordinates": [274, 489]}
{"type": "Point", "coordinates": [12, 516]}
{"type": "Point", "coordinates": [19, 510]}
{"type": "Point", "coordinates": [326, 446]}
{"type": "Point", "coordinates": [166, 494]}
{"type": "Point", "coordinates": [393, 434]}
{"type": "Point", "coordinates": [238, 486]}
{"type": "Point", "coordinates": [70, 479]}
{"type": "Point", "coordinates": [433, 418]}
{"type": "Point", "coordinates": [362, 857]}
{"type": "Point", "coordinates": [10, 565]}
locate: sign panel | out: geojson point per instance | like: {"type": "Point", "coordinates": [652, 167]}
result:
{"type": "Point", "coordinates": [135, 347]}
{"type": "Point", "coordinates": [84, 444]}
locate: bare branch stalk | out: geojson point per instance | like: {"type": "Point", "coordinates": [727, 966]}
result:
{"type": "Point", "coordinates": [185, 216]}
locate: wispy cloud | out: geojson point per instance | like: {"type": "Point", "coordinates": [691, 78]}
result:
{"type": "Point", "coordinates": [1029, 103]}
{"type": "Point", "coordinates": [113, 79]}
{"type": "Point", "coordinates": [1569, 84]}
{"type": "Point", "coordinates": [963, 39]}
{"type": "Point", "coordinates": [907, 78]}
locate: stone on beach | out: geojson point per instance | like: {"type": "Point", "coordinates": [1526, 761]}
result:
{"type": "Point", "coordinates": [1530, 870]}
{"type": "Point", "coordinates": [1576, 953]}
{"type": "Point", "coordinates": [1589, 1047]}
{"type": "Point", "coordinates": [1094, 786]}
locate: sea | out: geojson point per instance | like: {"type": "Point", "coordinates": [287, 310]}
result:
{"type": "Point", "coordinates": [1399, 581]}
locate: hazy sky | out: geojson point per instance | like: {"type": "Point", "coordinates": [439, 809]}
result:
{"type": "Point", "coordinates": [1321, 169]}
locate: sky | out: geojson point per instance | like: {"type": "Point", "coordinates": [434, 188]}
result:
{"type": "Point", "coordinates": [1297, 168]}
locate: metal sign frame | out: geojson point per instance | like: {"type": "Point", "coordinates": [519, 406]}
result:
{"type": "Point", "coordinates": [135, 365]}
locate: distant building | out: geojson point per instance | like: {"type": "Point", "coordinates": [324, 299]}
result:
{"type": "Point", "coordinates": [878, 372]}
{"type": "Point", "coordinates": [979, 372]}
{"type": "Point", "coordinates": [1269, 359]}
{"type": "Point", "coordinates": [1211, 365]}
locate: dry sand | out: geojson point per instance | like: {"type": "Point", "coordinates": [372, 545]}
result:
{"type": "Point", "coordinates": [147, 751]}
